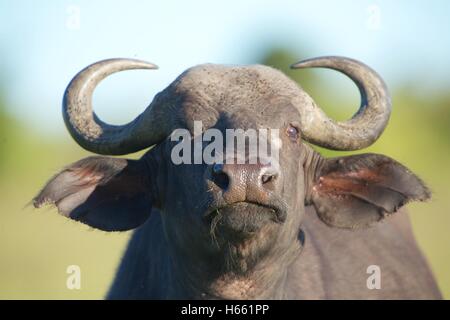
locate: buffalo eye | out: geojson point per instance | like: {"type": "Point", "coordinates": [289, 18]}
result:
{"type": "Point", "coordinates": [292, 132]}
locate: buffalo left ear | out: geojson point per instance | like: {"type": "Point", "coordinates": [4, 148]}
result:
{"type": "Point", "coordinates": [357, 191]}
{"type": "Point", "coordinates": [109, 194]}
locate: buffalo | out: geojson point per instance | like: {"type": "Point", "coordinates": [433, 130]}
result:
{"type": "Point", "coordinates": [295, 226]}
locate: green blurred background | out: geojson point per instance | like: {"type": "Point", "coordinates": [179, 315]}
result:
{"type": "Point", "coordinates": [43, 46]}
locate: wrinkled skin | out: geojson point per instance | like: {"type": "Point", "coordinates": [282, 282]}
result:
{"type": "Point", "coordinates": [198, 237]}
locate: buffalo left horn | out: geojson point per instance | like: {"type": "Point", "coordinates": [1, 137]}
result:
{"type": "Point", "coordinates": [365, 126]}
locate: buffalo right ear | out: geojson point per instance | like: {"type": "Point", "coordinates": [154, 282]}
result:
{"type": "Point", "coordinates": [110, 194]}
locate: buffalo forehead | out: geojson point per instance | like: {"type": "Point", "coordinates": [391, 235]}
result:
{"type": "Point", "coordinates": [253, 95]}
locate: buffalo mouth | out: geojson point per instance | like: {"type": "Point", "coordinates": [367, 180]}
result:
{"type": "Point", "coordinates": [243, 218]}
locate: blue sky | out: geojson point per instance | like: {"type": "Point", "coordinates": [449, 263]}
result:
{"type": "Point", "coordinates": [44, 43]}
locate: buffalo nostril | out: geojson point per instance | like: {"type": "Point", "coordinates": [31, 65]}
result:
{"type": "Point", "coordinates": [266, 178]}
{"type": "Point", "coordinates": [219, 177]}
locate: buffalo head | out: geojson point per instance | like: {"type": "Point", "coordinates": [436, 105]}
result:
{"type": "Point", "coordinates": [230, 213]}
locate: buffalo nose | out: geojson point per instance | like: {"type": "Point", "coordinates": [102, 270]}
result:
{"type": "Point", "coordinates": [241, 182]}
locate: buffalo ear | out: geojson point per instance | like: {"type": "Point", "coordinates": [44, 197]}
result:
{"type": "Point", "coordinates": [357, 191]}
{"type": "Point", "coordinates": [110, 194]}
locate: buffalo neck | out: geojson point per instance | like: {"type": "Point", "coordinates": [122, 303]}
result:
{"type": "Point", "coordinates": [203, 276]}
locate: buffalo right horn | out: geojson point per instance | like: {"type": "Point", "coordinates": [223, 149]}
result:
{"type": "Point", "coordinates": [149, 128]}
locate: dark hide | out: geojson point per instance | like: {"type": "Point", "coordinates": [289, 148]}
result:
{"type": "Point", "coordinates": [234, 235]}
{"type": "Point", "coordinates": [332, 265]}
